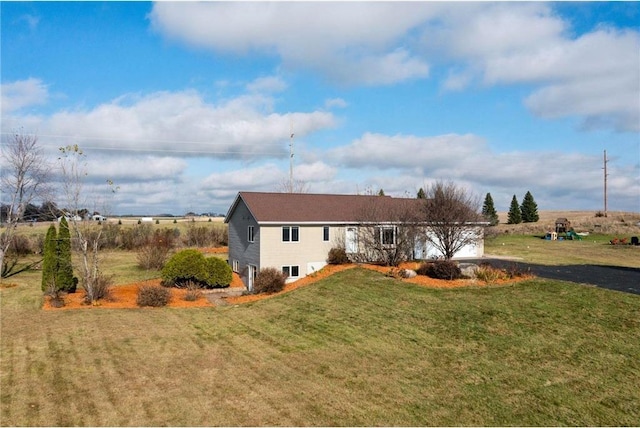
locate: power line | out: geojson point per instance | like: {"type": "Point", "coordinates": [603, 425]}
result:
{"type": "Point", "coordinates": [168, 150]}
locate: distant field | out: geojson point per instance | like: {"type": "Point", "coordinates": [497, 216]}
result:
{"type": "Point", "coordinates": [356, 349]}
{"type": "Point", "coordinates": [616, 222]}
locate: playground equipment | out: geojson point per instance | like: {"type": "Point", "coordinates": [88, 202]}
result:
{"type": "Point", "coordinates": [571, 234]}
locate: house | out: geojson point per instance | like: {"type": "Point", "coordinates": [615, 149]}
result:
{"type": "Point", "coordinates": [294, 232]}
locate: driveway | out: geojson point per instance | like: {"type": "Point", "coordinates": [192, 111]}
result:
{"type": "Point", "coordinates": [617, 278]}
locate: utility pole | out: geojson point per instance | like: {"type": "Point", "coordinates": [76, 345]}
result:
{"type": "Point", "coordinates": [291, 157]}
{"type": "Point", "coordinates": [605, 182]}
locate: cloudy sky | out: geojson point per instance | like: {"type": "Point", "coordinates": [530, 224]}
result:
{"type": "Point", "coordinates": [184, 104]}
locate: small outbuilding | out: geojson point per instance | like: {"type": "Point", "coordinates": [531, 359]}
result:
{"type": "Point", "coordinates": [563, 225]}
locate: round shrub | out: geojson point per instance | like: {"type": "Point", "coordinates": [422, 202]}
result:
{"type": "Point", "coordinates": [440, 269]}
{"type": "Point", "coordinates": [337, 256]}
{"type": "Point", "coordinates": [269, 280]}
{"type": "Point", "coordinates": [184, 266]}
{"type": "Point", "coordinates": [220, 273]}
{"type": "Point", "coordinates": [150, 295]}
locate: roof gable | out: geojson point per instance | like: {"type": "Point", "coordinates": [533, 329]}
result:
{"type": "Point", "coordinates": [319, 208]}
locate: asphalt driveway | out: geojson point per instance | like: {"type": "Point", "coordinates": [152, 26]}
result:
{"type": "Point", "coordinates": [617, 278]}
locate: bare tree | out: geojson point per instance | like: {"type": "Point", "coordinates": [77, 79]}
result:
{"type": "Point", "coordinates": [24, 179]}
{"type": "Point", "coordinates": [387, 230]}
{"type": "Point", "coordinates": [450, 214]}
{"type": "Point", "coordinates": [87, 234]}
{"type": "Point", "coordinates": [295, 186]}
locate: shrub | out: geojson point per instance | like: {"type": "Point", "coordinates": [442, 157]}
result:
{"type": "Point", "coordinates": [101, 287]}
{"type": "Point", "coordinates": [193, 293]}
{"type": "Point", "coordinates": [220, 235]}
{"type": "Point", "coordinates": [151, 295]}
{"type": "Point", "coordinates": [20, 245]}
{"type": "Point", "coordinates": [269, 280]}
{"type": "Point", "coordinates": [440, 269]}
{"type": "Point", "coordinates": [184, 266]}
{"type": "Point", "coordinates": [191, 266]}
{"type": "Point", "coordinates": [337, 256]}
{"type": "Point", "coordinates": [136, 236]}
{"type": "Point", "coordinates": [64, 273]}
{"type": "Point", "coordinates": [110, 237]}
{"type": "Point", "coordinates": [488, 273]}
{"type": "Point", "coordinates": [50, 259]}
{"type": "Point", "coordinates": [220, 273]}
{"type": "Point", "coordinates": [154, 254]}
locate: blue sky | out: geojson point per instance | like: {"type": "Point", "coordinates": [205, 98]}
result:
{"type": "Point", "coordinates": [184, 104]}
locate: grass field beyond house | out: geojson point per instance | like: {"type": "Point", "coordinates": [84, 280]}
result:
{"type": "Point", "coordinates": [592, 249]}
{"type": "Point", "coordinates": [356, 348]}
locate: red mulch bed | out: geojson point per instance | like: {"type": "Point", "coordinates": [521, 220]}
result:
{"type": "Point", "coordinates": [124, 296]}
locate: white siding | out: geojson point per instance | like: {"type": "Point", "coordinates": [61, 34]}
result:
{"type": "Point", "coordinates": [309, 253]}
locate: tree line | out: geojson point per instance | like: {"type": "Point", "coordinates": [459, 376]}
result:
{"type": "Point", "coordinates": [526, 212]}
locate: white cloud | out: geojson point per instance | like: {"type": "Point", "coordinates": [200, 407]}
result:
{"type": "Point", "coordinates": [594, 76]}
{"type": "Point", "coordinates": [134, 167]}
{"type": "Point", "coordinates": [261, 178]}
{"type": "Point", "coordinates": [267, 84]}
{"type": "Point", "coordinates": [23, 93]}
{"type": "Point", "coordinates": [402, 151]}
{"type": "Point", "coordinates": [348, 42]}
{"type": "Point", "coordinates": [403, 163]}
{"type": "Point", "coordinates": [335, 103]}
{"type": "Point", "coordinates": [183, 123]}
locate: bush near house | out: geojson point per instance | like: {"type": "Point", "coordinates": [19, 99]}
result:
{"type": "Point", "coordinates": [269, 280]}
{"type": "Point", "coordinates": [338, 256]}
{"type": "Point", "coordinates": [191, 266]}
{"type": "Point", "coordinates": [440, 269]}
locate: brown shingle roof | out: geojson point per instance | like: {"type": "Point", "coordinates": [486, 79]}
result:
{"type": "Point", "coordinates": [309, 207]}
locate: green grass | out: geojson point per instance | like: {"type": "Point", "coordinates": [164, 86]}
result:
{"type": "Point", "coordinates": [354, 349]}
{"type": "Point", "coordinates": [593, 249]}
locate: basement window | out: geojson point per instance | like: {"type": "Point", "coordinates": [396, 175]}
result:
{"type": "Point", "coordinates": [291, 271]}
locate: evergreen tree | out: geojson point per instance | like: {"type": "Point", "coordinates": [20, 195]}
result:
{"type": "Point", "coordinates": [381, 192]}
{"type": "Point", "coordinates": [529, 209]}
{"type": "Point", "coordinates": [515, 216]}
{"type": "Point", "coordinates": [50, 258]}
{"type": "Point", "coordinates": [64, 276]}
{"type": "Point", "coordinates": [489, 210]}
{"type": "Point", "coordinates": [421, 194]}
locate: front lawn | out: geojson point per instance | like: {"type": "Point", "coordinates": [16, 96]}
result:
{"type": "Point", "coordinates": [356, 348]}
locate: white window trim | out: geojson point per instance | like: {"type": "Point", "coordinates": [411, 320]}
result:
{"type": "Point", "coordinates": [395, 237]}
{"type": "Point", "coordinates": [236, 266]}
{"type": "Point", "coordinates": [251, 234]}
{"type": "Point", "coordinates": [290, 241]}
{"type": "Point", "coordinates": [328, 237]}
{"type": "Point", "coordinates": [291, 270]}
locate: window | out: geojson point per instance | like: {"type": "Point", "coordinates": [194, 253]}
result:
{"type": "Point", "coordinates": [236, 266]}
{"type": "Point", "coordinates": [250, 236]}
{"type": "Point", "coordinates": [387, 235]}
{"type": "Point", "coordinates": [291, 271]}
{"type": "Point", "coordinates": [290, 234]}
{"type": "Point", "coordinates": [325, 233]}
